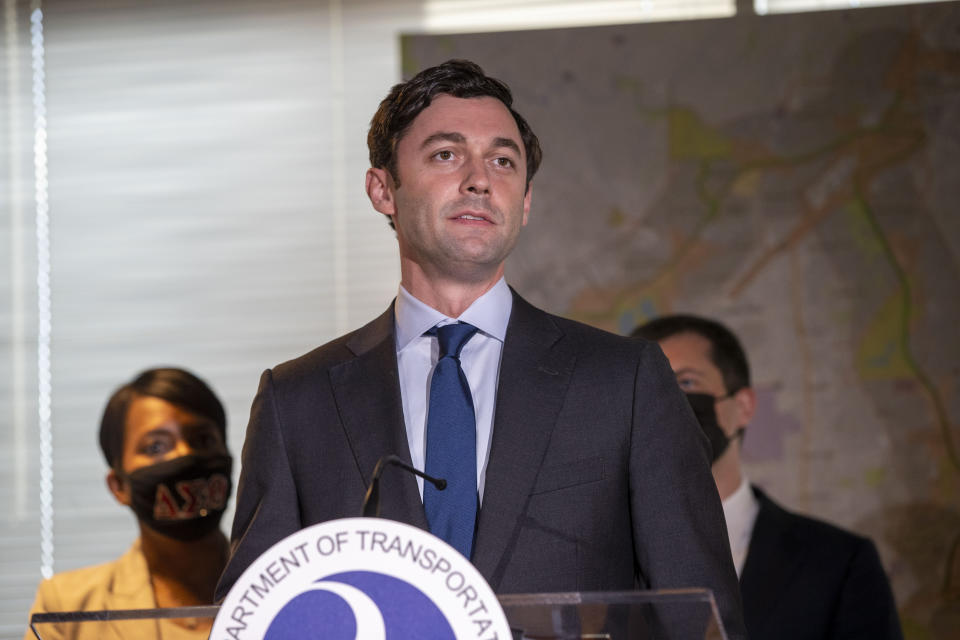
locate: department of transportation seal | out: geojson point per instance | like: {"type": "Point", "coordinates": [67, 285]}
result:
{"type": "Point", "coordinates": [361, 579]}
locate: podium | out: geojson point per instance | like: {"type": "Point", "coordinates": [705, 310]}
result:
{"type": "Point", "coordinates": [680, 614]}
{"type": "Point", "coordinates": [675, 614]}
{"type": "Point", "coordinates": [377, 579]}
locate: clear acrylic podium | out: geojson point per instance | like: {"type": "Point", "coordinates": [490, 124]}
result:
{"type": "Point", "coordinates": [680, 614]}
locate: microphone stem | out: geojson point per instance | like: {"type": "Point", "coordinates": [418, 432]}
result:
{"type": "Point", "coordinates": [371, 502]}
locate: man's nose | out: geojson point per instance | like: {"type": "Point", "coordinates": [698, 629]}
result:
{"type": "Point", "coordinates": [476, 180]}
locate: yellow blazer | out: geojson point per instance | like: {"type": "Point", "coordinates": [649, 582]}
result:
{"type": "Point", "coordinates": [121, 584]}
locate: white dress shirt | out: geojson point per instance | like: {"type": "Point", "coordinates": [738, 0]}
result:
{"type": "Point", "coordinates": [417, 356]}
{"type": "Point", "coordinates": [740, 510]}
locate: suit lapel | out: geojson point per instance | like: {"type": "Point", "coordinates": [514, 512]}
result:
{"type": "Point", "coordinates": [130, 589]}
{"type": "Point", "coordinates": [367, 392]}
{"type": "Point", "coordinates": [535, 370]}
{"type": "Point", "coordinates": [773, 558]}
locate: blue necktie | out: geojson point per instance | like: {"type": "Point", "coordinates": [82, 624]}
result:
{"type": "Point", "coordinates": [452, 444]}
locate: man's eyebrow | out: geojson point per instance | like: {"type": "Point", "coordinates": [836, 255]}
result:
{"type": "Point", "coordinates": [443, 136]}
{"type": "Point", "coordinates": [453, 136]}
{"type": "Point", "coordinates": [686, 370]}
{"type": "Point", "coordinates": [508, 143]}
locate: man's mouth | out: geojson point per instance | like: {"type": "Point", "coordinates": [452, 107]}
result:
{"type": "Point", "coordinates": [471, 211]}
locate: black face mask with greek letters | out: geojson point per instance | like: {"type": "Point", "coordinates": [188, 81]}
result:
{"type": "Point", "coordinates": [183, 498]}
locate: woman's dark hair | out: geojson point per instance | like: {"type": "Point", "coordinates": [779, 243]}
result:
{"type": "Point", "coordinates": [458, 78]}
{"type": "Point", "coordinates": [176, 386]}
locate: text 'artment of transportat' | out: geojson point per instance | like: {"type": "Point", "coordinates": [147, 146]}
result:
{"type": "Point", "coordinates": [369, 582]}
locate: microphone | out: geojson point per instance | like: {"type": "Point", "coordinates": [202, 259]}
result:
{"type": "Point", "coordinates": [371, 502]}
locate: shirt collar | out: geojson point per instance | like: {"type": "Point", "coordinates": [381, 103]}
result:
{"type": "Point", "coordinates": [740, 509]}
{"type": "Point", "coordinates": [489, 313]}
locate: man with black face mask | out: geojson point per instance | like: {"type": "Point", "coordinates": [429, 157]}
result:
{"type": "Point", "coordinates": [164, 437]}
{"type": "Point", "coordinates": [800, 578]}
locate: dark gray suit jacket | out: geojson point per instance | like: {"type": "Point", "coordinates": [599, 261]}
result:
{"type": "Point", "coordinates": [807, 580]}
{"type": "Point", "coordinates": [598, 476]}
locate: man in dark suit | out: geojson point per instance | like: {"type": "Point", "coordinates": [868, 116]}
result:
{"type": "Point", "coordinates": [800, 578]}
{"type": "Point", "coordinates": [585, 469]}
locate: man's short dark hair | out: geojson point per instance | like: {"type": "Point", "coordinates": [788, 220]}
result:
{"type": "Point", "coordinates": [726, 352]}
{"type": "Point", "coordinates": [177, 386]}
{"type": "Point", "coordinates": [457, 78]}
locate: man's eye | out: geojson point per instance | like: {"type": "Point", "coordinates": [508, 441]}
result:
{"type": "Point", "coordinates": [444, 155]}
{"type": "Point", "coordinates": [686, 384]}
{"type": "Point", "coordinates": [504, 162]}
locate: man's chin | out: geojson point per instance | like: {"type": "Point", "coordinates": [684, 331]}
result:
{"type": "Point", "coordinates": [482, 250]}
{"type": "Point", "coordinates": [471, 261]}
{"type": "Point", "coordinates": [474, 268]}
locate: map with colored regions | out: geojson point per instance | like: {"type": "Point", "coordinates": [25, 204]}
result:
{"type": "Point", "coordinates": [798, 177]}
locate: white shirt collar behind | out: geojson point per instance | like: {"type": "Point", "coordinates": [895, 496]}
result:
{"type": "Point", "coordinates": [740, 511]}
{"type": "Point", "coordinates": [489, 313]}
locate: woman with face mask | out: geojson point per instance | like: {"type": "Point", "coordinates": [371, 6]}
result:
{"type": "Point", "coordinates": [164, 438]}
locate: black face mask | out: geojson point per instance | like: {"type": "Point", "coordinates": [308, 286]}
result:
{"type": "Point", "coordinates": [705, 409]}
{"type": "Point", "coordinates": [183, 498]}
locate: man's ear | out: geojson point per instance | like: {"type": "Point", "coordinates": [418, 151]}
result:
{"type": "Point", "coordinates": [119, 487]}
{"type": "Point", "coordinates": [526, 203]}
{"type": "Point", "coordinates": [380, 191]}
{"type": "Point", "coordinates": [746, 400]}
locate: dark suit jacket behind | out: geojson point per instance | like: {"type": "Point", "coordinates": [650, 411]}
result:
{"type": "Point", "coordinates": [807, 580]}
{"type": "Point", "coordinates": [598, 476]}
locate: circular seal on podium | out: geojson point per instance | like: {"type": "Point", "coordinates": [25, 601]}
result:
{"type": "Point", "coordinates": [361, 579]}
